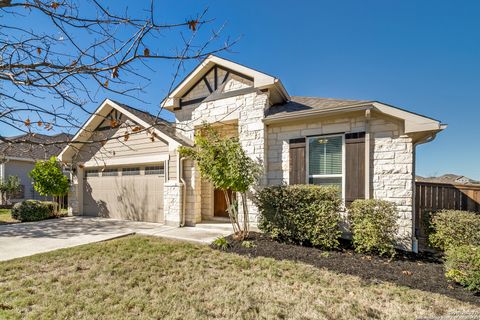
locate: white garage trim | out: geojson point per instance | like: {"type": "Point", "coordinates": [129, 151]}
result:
{"type": "Point", "coordinates": [127, 161]}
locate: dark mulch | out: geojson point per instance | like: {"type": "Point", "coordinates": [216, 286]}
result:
{"type": "Point", "coordinates": [423, 272]}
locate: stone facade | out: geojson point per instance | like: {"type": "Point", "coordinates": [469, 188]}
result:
{"type": "Point", "coordinates": [172, 206]}
{"type": "Point", "coordinates": [391, 158]}
{"type": "Point", "coordinates": [240, 116]}
{"type": "Point", "coordinates": [75, 192]}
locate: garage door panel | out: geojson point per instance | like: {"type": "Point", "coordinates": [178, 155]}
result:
{"type": "Point", "coordinates": [136, 197]}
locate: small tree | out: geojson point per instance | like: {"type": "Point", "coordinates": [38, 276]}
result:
{"type": "Point", "coordinates": [224, 163]}
{"type": "Point", "coordinates": [7, 187]}
{"type": "Point", "coordinates": [49, 180]}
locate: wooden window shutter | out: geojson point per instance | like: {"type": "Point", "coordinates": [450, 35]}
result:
{"type": "Point", "coordinates": [354, 166]}
{"type": "Point", "coordinates": [297, 161]}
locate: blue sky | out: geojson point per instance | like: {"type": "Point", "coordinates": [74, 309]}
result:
{"type": "Point", "coordinates": [423, 56]}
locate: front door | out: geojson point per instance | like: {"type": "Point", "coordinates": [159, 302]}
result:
{"type": "Point", "coordinates": [220, 204]}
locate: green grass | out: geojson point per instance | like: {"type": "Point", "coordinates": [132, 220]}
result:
{"type": "Point", "coordinates": [6, 217]}
{"type": "Point", "coordinates": [151, 278]}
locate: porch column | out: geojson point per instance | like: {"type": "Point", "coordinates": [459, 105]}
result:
{"type": "Point", "coordinates": [75, 192]}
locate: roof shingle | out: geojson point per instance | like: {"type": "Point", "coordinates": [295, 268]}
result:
{"type": "Point", "coordinates": [34, 146]}
{"type": "Point", "coordinates": [302, 104]}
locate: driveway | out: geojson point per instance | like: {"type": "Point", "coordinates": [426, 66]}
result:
{"type": "Point", "coordinates": [25, 239]}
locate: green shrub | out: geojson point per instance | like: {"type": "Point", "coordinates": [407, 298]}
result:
{"type": "Point", "coordinates": [374, 226]}
{"type": "Point", "coordinates": [454, 228]}
{"type": "Point", "coordinates": [463, 266]}
{"type": "Point", "coordinates": [304, 214]}
{"type": "Point", "coordinates": [248, 244]}
{"type": "Point", "coordinates": [33, 210]}
{"type": "Point", "coordinates": [221, 243]}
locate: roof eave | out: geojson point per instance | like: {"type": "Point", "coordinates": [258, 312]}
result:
{"type": "Point", "coordinates": [316, 112]}
{"type": "Point", "coordinates": [173, 143]}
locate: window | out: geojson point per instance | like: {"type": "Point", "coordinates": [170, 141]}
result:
{"type": "Point", "coordinates": [325, 161]}
{"type": "Point", "coordinates": [91, 173]}
{"type": "Point", "coordinates": [154, 170]}
{"type": "Point", "coordinates": [110, 173]}
{"type": "Point", "coordinates": [130, 171]}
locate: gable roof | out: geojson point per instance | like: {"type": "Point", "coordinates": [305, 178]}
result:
{"type": "Point", "coordinates": [161, 127]}
{"type": "Point", "coordinates": [157, 122]}
{"type": "Point", "coordinates": [261, 80]}
{"type": "Point", "coordinates": [304, 107]}
{"type": "Point", "coordinates": [34, 146]}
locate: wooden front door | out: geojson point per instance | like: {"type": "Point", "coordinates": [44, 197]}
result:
{"type": "Point", "coordinates": [220, 204]}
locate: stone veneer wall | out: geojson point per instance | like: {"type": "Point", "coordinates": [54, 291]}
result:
{"type": "Point", "coordinates": [172, 192]}
{"type": "Point", "coordinates": [391, 159]}
{"type": "Point", "coordinates": [75, 192]}
{"type": "Point", "coordinates": [248, 112]}
{"type": "Point", "coordinates": [393, 179]}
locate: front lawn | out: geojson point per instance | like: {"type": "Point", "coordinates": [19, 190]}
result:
{"type": "Point", "coordinates": [151, 278]}
{"type": "Point", "coordinates": [6, 217]}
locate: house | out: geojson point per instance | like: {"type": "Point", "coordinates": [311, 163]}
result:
{"type": "Point", "coordinates": [448, 178]}
{"type": "Point", "coordinates": [125, 162]}
{"type": "Point", "coordinates": [18, 159]}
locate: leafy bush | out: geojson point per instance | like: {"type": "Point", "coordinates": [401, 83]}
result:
{"type": "Point", "coordinates": [463, 266]}
{"type": "Point", "coordinates": [454, 228]}
{"type": "Point", "coordinates": [221, 243]}
{"type": "Point", "coordinates": [33, 210]}
{"type": "Point", "coordinates": [374, 226]}
{"type": "Point", "coordinates": [304, 214]}
{"type": "Point", "coordinates": [248, 244]}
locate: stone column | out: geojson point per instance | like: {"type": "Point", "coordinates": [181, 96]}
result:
{"type": "Point", "coordinates": [393, 181]}
{"type": "Point", "coordinates": [252, 138]}
{"type": "Point", "coordinates": [75, 192]}
{"type": "Point", "coordinates": [172, 203]}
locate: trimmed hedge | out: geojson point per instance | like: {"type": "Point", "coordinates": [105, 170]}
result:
{"type": "Point", "coordinates": [463, 266]}
{"type": "Point", "coordinates": [374, 226]}
{"type": "Point", "coordinates": [34, 210]}
{"type": "Point", "coordinates": [454, 228]}
{"type": "Point", "coordinates": [304, 214]}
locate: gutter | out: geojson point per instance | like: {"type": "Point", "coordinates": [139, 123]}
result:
{"type": "Point", "coordinates": [307, 114]}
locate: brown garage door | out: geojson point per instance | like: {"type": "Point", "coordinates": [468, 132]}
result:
{"type": "Point", "coordinates": [129, 195]}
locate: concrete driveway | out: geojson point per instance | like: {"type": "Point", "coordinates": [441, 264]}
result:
{"type": "Point", "coordinates": [25, 239]}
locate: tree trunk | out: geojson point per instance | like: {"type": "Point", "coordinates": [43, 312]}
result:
{"type": "Point", "coordinates": [232, 213]}
{"type": "Point", "coordinates": [246, 220]}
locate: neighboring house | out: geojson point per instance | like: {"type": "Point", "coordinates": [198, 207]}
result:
{"type": "Point", "coordinates": [366, 148]}
{"type": "Point", "coordinates": [18, 159]}
{"type": "Point", "coordinates": [448, 178]}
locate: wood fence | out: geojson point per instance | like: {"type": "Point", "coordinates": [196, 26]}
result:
{"type": "Point", "coordinates": [432, 197]}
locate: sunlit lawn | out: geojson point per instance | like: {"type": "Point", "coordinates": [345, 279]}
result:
{"type": "Point", "coordinates": [151, 278]}
{"type": "Point", "coordinates": [6, 217]}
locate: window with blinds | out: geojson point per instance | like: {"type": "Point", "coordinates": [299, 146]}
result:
{"type": "Point", "coordinates": [325, 161]}
{"type": "Point", "coordinates": [154, 170]}
{"type": "Point", "coordinates": [110, 172]}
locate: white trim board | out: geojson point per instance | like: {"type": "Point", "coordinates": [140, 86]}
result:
{"type": "Point", "coordinates": [127, 161]}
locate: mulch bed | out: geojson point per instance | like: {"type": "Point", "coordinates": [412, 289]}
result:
{"type": "Point", "coordinates": [424, 272]}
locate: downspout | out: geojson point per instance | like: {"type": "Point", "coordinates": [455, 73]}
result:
{"type": "Point", "coordinates": [415, 144]}
{"type": "Point", "coordinates": [367, 154]}
{"type": "Point", "coordinates": [184, 193]}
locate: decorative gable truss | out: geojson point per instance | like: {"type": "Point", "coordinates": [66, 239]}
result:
{"type": "Point", "coordinates": [217, 79]}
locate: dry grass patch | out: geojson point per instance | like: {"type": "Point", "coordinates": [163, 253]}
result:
{"type": "Point", "coordinates": [144, 278]}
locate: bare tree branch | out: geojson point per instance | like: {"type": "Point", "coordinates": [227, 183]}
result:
{"type": "Point", "coordinates": [82, 48]}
